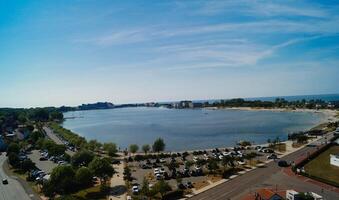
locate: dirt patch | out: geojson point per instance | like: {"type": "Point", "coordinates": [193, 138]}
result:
{"type": "Point", "coordinates": [200, 184]}
{"type": "Point", "coordinates": [214, 178]}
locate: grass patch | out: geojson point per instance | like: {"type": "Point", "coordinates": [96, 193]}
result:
{"type": "Point", "coordinates": [91, 193]}
{"type": "Point", "coordinates": [281, 147]}
{"type": "Point", "coordinates": [320, 166]}
{"type": "Point", "coordinates": [297, 145]}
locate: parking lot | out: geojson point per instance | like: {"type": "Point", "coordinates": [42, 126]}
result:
{"type": "Point", "coordinates": [192, 168]}
{"type": "Point", "coordinates": [45, 165]}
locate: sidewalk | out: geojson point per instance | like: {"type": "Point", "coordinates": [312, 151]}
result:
{"type": "Point", "coordinates": [118, 188]}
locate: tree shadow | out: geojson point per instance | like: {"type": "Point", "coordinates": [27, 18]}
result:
{"type": "Point", "coordinates": [118, 190]}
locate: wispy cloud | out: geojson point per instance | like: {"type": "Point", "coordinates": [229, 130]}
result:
{"type": "Point", "coordinates": [260, 8]}
{"type": "Point", "coordinates": [138, 35]}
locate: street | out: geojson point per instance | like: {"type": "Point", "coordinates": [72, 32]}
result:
{"type": "Point", "coordinates": [52, 136]}
{"type": "Point", "coordinates": [270, 176]}
{"type": "Point", "coordinates": [13, 190]}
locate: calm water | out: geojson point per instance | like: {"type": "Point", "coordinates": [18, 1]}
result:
{"type": "Point", "coordinates": [187, 129]}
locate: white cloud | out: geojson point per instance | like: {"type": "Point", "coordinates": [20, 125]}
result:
{"type": "Point", "coordinates": [260, 8]}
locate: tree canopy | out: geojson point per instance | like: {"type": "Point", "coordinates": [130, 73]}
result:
{"type": "Point", "coordinates": [158, 145]}
{"type": "Point", "coordinates": [101, 168]}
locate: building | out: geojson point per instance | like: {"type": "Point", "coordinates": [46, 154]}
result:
{"type": "Point", "coordinates": [186, 104]}
{"type": "Point", "coordinates": [334, 160]}
{"type": "Point", "coordinates": [294, 195]}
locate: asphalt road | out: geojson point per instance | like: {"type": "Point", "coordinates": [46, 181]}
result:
{"type": "Point", "coordinates": [53, 137]}
{"type": "Point", "coordinates": [13, 190]}
{"type": "Point", "coordinates": [271, 176]}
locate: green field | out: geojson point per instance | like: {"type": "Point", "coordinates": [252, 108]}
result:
{"type": "Point", "coordinates": [320, 166]}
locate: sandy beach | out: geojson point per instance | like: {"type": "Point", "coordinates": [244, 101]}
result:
{"type": "Point", "coordinates": [329, 115]}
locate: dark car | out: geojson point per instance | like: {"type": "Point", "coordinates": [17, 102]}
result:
{"type": "Point", "coordinates": [272, 156]}
{"type": "Point", "coordinates": [4, 181]}
{"type": "Point", "coordinates": [42, 158]}
{"type": "Point", "coordinates": [114, 161]}
{"type": "Point", "coordinates": [189, 185]}
{"type": "Point", "coordinates": [181, 186]}
{"type": "Point", "coordinates": [283, 163]}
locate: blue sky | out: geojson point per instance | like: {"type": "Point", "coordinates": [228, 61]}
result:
{"type": "Point", "coordinates": [67, 52]}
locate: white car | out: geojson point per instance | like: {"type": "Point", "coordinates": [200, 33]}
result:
{"type": "Point", "coordinates": [162, 171]}
{"type": "Point", "coordinates": [135, 189]}
{"type": "Point", "coordinates": [156, 171]}
{"type": "Point", "coordinates": [195, 159]}
{"type": "Point", "coordinates": [158, 176]}
{"type": "Point", "coordinates": [162, 160]}
{"type": "Point", "coordinates": [241, 162]}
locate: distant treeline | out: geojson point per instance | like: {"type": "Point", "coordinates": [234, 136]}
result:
{"type": "Point", "coordinates": [278, 103]}
{"type": "Point", "coordinates": [10, 118]}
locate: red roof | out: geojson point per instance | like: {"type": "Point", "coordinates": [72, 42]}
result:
{"type": "Point", "coordinates": [265, 194]}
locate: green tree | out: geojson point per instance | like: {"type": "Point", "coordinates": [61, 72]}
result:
{"type": "Point", "coordinates": [13, 148]}
{"type": "Point", "coordinates": [57, 150]}
{"type": "Point", "coordinates": [162, 187]}
{"type": "Point", "coordinates": [227, 161]}
{"type": "Point", "coordinates": [83, 176]}
{"type": "Point", "coordinates": [63, 179]}
{"type": "Point", "coordinates": [146, 148]}
{"type": "Point", "coordinates": [27, 165]}
{"type": "Point", "coordinates": [13, 159]}
{"type": "Point", "coordinates": [56, 115]}
{"type": "Point", "coordinates": [48, 189]}
{"type": "Point", "coordinates": [102, 169]}
{"type": "Point", "coordinates": [133, 148]}
{"type": "Point", "coordinates": [35, 136]}
{"type": "Point", "coordinates": [93, 145]}
{"type": "Point", "coordinates": [111, 148]}
{"type": "Point", "coordinates": [82, 158]}
{"type": "Point", "coordinates": [158, 145]}
{"type": "Point", "coordinates": [145, 187]}
{"type": "Point", "coordinates": [212, 165]}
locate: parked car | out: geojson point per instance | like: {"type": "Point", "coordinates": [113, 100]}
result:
{"type": "Point", "coordinates": [42, 158]}
{"type": "Point", "coordinates": [135, 189]}
{"type": "Point", "coordinates": [4, 181]}
{"type": "Point", "coordinates": [189, 185]}
{"type": "Point", "coordinates": [181, 186]}
{"type": "Point", "coordinates": [115, 162]}
{"type": "Point", "coordinates": [283, 163]}
{"type": "Point", "coordinates": [272, 156]}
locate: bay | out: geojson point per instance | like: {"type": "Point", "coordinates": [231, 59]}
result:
{"type": "Point", "coordinates": [187, 129]}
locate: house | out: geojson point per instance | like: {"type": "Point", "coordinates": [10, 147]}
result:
{"type": "Point", "coordinates": [334, 160]}
{"type": "Point", "coordinates": [186, 104]}
{"type": "Point", "coordinates": [21, 135]}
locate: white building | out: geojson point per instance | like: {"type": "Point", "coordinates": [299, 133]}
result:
{"type": "Point", "coordinates": [294, 195]}
{"type": "Point", "coordinates": [334, 160]}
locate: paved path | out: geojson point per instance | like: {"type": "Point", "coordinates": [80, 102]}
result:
{"type": "Point", "coordinates": [269, 176]}
{"type": "Point", "coordinates": [118, 188]}
{"type": "Point", "coordinates": [13, 190]}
